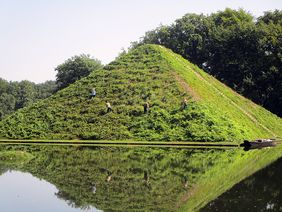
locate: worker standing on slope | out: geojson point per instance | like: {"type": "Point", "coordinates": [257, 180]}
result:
{"type": "Point", "coordinates": [93, 93]}
{"type": "Point", "coordinates": [146, 107]}
{"type": "Point", "coordinates": [109, 107]}
{"type": "Point", "coordinates": [184, 104]}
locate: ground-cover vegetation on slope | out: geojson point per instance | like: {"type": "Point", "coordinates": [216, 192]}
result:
{"type": "Point", "coordinates": [151, 74]}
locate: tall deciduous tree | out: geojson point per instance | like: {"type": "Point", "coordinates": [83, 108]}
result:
{"type": "Point", "coordinates": [75, 68]}
{"type": "Point", "coordinates": [7, 104]}
{"type": "Point", "coordinates": [26, 94]}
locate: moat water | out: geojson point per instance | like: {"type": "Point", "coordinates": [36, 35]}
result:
{"type": "Point", "coordinates": [77, 178]}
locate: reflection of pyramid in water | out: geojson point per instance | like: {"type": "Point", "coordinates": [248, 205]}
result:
{"type": "Point", "coordinates": [146, 179]}
{"type": "Point", "coordinates": [150, 74]}
{"type": "Point", "coordinates": [264, 187]}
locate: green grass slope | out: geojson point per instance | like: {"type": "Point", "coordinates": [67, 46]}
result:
{"type": "Point", "coordinates": [149, 73]}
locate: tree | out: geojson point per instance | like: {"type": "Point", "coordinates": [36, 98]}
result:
{"type": "Point", "coordinates": [192, 34]}
{"type": "Point", "coordinates": [46, 89]}
{"type": "Point", "coordinates": [3, 86]}
{"type": "Point", "coordinates": [233, 48]}
{"type": "Point", "coordinates": [275, 17]}
{"type": "Point", "coordinates": [16, 95]}
{"type": "Point", "coordinates": [26, 94]}
{"type": "Point", "coordinates": [269, 81]}
{"type": "Point", "coordinates": [75, 68]}
{"type": "Point", "coordinates": [188, 36]}
{"type": "Point", "coordinates": [7, 105]}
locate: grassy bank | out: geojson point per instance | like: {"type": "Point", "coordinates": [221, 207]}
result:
{"type": "Point", "coordinates": [125, 142]}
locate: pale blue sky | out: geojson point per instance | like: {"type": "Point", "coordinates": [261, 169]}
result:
{"type": "Point", "coordinates": [37, 35]}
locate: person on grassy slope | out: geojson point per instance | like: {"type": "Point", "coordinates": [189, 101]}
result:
{"type": "Point", "coordinates": [109, 107]}
{"type": "Point", "coordinates": [184, 104]}
{"type": "Point", "coordinates": [93, 93]}
{"type": "Point", "coordinates": [146, 107]}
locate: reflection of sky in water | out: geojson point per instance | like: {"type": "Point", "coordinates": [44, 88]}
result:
{"type": "Point", "coordinates": [23, 192]}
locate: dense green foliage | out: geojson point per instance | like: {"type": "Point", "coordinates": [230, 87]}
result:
{"type": "Point", "coordinates": [240, 51]}
{"type": "Point", "coordinates": [154, 74]}
{"type": "Point", "coordinates": [16, 95]}
{"type": "Point", "coordinates": [75, 68]}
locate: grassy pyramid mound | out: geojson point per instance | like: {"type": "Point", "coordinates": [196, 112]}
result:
{"type": "Point", "coordinates": [150, 74]}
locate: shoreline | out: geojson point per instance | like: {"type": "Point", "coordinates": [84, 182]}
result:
{"type": "Point", "coordinates": [122, 143]}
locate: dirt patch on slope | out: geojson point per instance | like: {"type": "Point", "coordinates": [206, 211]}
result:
{"type": "Point", "coordinates": [195, 96]}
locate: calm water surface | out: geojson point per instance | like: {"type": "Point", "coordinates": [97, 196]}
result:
{"type": "Point", "coordinates": [23, 192]}
{"type": "Point", "coordinates": [259, 192]}
{"type": "Point", "coordinates": [76, 178]}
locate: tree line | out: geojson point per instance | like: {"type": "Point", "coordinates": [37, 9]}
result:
{"type": "Point", "coordinates": [16, 95]}
{"type": "Point", "coordinates": [240, 50]}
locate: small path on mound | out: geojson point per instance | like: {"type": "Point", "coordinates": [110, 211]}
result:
{"type": "Point", "coordinates": [227, 98]}
{"type": "Point", "coordinates": [186, 87]}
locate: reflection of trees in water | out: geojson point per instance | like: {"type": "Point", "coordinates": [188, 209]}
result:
{"type": "Point", "coordinates": [119, 178]}
{"type": "Point", "coordinates": [260, 192]}
{"type": "Point", "coordinates": [115, 178]}
{"type": "Point", "coordinates": [2, 170]}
